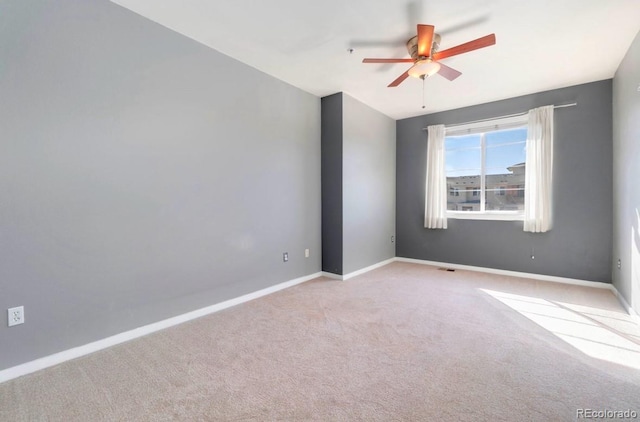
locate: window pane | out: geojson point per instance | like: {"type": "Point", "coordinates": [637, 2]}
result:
{"type": "Point", "coordinates": [505, 167]}
{"type": "Point", "coordinates": [506, 136]}
{"type": "Point", "coordinates": [464, 192]}
{"type": "Point", "coordinates": [503, 170]}
{"type": "Point", "coordinates": [462, 199]}
{"type": "Point", "coordinates": [506, 199]}
{"type": "Point", "coordinates": [505, 151]}
{"type": "Point", "coordinates": [466, 141]}
{"type": "Point", "coordinates": [505, 190]}
{"type": "Point", "coordinates": [463, 163]}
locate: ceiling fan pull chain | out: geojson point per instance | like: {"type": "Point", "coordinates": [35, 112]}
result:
{"type": "Point", "coordinates": [423, 89]}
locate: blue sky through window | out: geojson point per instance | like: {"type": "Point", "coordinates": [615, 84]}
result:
{"type": "Point", "coordinates": [504, 148]}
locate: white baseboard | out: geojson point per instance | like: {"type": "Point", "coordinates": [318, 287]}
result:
{"type": "Point", "coordinates": [367, 269]}
{"type": "Point", "coordinates": [625, 304]}
{"type": "Point", "coordinates": [555, 279]}
{"type": "Point", "coordinates": [358, 272]}
{"type": "Point", "coordinates": [542, 277]}
{"type": "Point", "coordinates": [57, 358]}
{"type": "Point", "coordinates": [331, 275]}
{"type": "Point", "coordinates": [552, 278]}
{"type": "Point", "coordinates": [76, 352]}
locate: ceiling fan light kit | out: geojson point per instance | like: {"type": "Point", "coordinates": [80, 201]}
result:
{"type": "Point", "coordinates": [423, 49]}
{"type": "Point", "coordinates": [426, 67]}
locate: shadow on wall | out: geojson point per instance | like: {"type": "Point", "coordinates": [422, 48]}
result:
{"type": "Point", "coordinates": [635, 263]}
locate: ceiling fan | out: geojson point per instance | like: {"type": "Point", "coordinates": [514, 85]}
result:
{"type": "Point", "coordinates": [423, 49]}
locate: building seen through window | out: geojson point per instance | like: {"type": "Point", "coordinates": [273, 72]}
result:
{"type": "Point", "coordinates": [486, 170]}
{"type": "Point", "coordinates": [507, 193]}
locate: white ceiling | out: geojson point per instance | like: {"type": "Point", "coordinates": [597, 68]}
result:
{"type": "Point", "coordinates": [541, 44]}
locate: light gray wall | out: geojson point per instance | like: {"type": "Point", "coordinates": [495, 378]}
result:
{"type": "Point", "coordinates": [369, 154]}
{"type": "Point", "coordinates": [626, 175]}
{"type": "Point", "coordinates": [332, 184]}
{"type": "Point", "coordinates": [142, 175]}
{"type": "Point", "coordinates": [578, 246]}
{"type": "Point", "coordinates": [358, 185]}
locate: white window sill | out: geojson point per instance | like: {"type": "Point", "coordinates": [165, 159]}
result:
{"type": "Point", "coordinates": [475, 215]}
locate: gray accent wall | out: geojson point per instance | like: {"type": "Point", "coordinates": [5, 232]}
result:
{"type": "Point", "coordinates": [626, 176]}
{"type": "Point", "coordinates": [142, 175]}
{"type": "Point", "coordinates": [358, 185]}
{"type": "Point", "coordinates": [332, 184]}
{"type": "Point", "coordinates": [578, 246]}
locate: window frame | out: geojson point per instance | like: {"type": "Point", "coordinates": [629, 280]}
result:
{"type": "Point", "coordinates": [483, 127]}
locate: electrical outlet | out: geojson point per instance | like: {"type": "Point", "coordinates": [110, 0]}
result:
{"type": "Point", "coordinates": [15, 316]}
{"type": "Point", "coordinates": [285, 257]}
{"type": "Point", "coordinates": [393, 239]}
{"type": "Point", "coordinates": [619, 264]}
{"type": "Point", "coordinates": [306, 253]}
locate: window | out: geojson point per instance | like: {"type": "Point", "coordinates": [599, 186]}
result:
{"type": "Point", "coordinates": [485, 169]}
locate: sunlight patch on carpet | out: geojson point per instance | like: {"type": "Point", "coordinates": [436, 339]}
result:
{"type": "Point", "coordinates": [599, 333]}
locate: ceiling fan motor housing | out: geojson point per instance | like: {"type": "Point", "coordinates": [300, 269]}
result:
{"type": "Point", "coordinates": [412, 46]}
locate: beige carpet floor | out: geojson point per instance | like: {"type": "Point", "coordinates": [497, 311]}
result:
{"type": "Point", "coordinates": [404, 342]}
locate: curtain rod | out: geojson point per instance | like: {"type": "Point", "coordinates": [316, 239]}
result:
{"type": "Point", "coordinates": [503, 117]}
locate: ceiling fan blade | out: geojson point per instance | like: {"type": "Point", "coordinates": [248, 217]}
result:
{"type": "Point", "coordinates": [482, 42]}
{"type": "Point", "coordinates": [448, 72]}
{"type": "Point", "coordinates": [399, 80]}
{"type": "Point", "coordinates": [388, 61]}
{"type": "Point", "coordinates": [425, 38]}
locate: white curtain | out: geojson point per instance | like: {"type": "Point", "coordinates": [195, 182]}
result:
{"type": "Point", "coordinates": [539, 166]}
{"type": "Point", "coordinates": [435, 216]}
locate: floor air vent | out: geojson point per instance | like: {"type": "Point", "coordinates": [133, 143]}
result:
{"type": "Point", "coordinates": [446, 269]}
